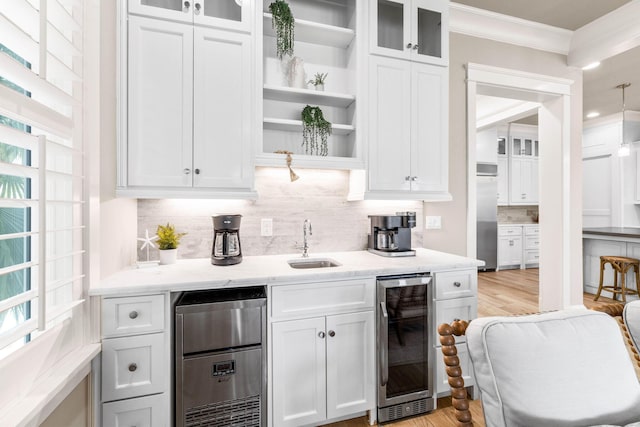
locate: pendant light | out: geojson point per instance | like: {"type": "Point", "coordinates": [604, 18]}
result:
{"type": "Point", "coordinates": [624, 149]}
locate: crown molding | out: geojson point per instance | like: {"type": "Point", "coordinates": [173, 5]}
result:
{"type": "Point", "coordinates": [609, 35]}
{"type": "Point", "coordinates": [485, 24]}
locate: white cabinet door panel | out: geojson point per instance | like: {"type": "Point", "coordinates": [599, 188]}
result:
{"type": "Point", "coordinates": [223, 109]}
{"type": "Point", "coordinates": [299, 367]}
{"type": "Point", "coordinates": [160, 90]}
{"type": "Point", "coordinates": [148, 411]}
{"type": "Point", "coordinates": [350, 359]}
{"type": "Point", "coordinates": [442, 379]}
{"type": "Point", "coordinates": [132, 315]}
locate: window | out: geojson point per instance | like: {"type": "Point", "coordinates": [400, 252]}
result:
{"type": "Point", "coordinates": [41, 167]}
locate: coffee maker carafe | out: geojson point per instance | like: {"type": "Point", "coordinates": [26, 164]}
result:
{"type": "Point", "coordinates": [391, 234]}
{"type": "Point", "coordinates": [226, 240]}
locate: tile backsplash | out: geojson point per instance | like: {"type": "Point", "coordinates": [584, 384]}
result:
{"type": "Point", "coordinates": [517, 214]}
{"type": "Point", "coordinates": [319, 195]}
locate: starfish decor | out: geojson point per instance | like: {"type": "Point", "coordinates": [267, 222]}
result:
{"type": "Point", "coordinates": [148, 242]}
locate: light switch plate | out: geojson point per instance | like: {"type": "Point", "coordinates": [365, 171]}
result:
{"type": "Point", "coordinates": [433, 222]}
{"type": "Point", "coordinates": [266, 227]}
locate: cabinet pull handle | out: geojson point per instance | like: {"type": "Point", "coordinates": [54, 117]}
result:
{"type": "Point", "coordinates": [407, 178]}
{"type": "Point", "coordinates": [133, 367]}
{"type": "Point", "coordinates": [197, 171]}
{"type": "Point", "coordinates": [414, 178]}
{"type": "Point", "coordinates": [409, 45]}
{"type": "Point", "coordinates": [510, 242]}
{"type": "Point", "coordinates": [457, 284]}
{"type": "Point", "coordinates": [321, 334]}
{"type": "Point", "coordinates": [133, 314]}
{"type": "Point", "coordinates": [197, 12]}
{"type": "Point", "coordinates": [186, 171]}
{"type": "Point", "coordinates": [415, 47]}
{"type": "Point", "coordinates": [332, 333]}
{"type": "Point", "coordinates": [187, 5]}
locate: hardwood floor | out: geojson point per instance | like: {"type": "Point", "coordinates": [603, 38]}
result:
{"type": "Point", "coordinates": [499, 293]}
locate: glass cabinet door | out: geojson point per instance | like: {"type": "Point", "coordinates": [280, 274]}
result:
{"type": "Point", "coordinates": [391, 25]}
{"type": "Point", "coordinates": [180, 10]}
{"type": "Point", "coordinates": [234, 14]}
{"type": "Point", "coordinates": [502, 146]}
{"type": "Point", "coordinates": [516, 146]}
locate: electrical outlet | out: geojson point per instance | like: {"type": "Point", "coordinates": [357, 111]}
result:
{"type": "Point", "coordinates": [266, 227]}
{"type": "Point", "coordinates": [433, 222]}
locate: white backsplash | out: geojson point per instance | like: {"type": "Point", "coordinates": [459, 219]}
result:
{"type": "Point", "coordinates": [517, 214]}
{"type": "Point", "coordinates": [319, 195]}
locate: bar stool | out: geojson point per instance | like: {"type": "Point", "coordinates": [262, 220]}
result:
{"type": "Point", "coordinates": [620, 265]}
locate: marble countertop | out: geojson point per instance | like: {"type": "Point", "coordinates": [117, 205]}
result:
{"type": "Point", "coordinates": [613, 231]}
{"type": "Point", "coordinates": [192, 274]}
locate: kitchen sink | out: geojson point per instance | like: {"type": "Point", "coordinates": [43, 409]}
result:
{"type": "Point", "coordinates": [313, 263]}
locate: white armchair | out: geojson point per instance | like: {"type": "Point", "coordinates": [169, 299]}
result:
{"type": "Point", "coordinates": [564, 369]}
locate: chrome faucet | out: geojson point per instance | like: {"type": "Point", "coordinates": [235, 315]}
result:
{"type": "Point", "coordinates": [305, 247]}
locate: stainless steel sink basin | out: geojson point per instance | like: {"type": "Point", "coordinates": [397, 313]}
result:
{"type": "Point", "coordinates": [313, 263]}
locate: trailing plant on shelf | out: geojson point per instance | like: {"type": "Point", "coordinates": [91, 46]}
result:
{"type": "Point", "coordinates": [318, 80]}
{"type": "Point", "coordinates": [315, 126]}
{"type": "Point", "coordinates": [283, 23]}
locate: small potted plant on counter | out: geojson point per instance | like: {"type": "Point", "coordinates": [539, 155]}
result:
{"type": "Point", "coordinates": [318, 80]}
{"type": "Point", "coordinates": [168, 241]}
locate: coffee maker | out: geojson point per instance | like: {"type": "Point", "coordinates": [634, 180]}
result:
{"type": "Point", "coordinates": [391, 234]}
{"type": "Point", "coordinates": [226, 240]}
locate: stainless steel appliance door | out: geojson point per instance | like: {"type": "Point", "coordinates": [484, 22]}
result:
{"type": "Point", "coordinates": [487, 221]}
{"type": "Point", "coordinates": [405, 355]}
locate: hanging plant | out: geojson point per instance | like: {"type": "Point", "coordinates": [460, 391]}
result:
{"type": "Point", "coordinates": [282, 22]}
{"type": "Point", "coordinates": [314, 125]}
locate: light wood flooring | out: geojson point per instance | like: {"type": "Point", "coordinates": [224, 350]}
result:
{"type": "Point", "coordinates": [499, 293]}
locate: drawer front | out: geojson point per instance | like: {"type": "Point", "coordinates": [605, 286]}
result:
{"type": "Point", "coordinates": [309, 299]}
{"type": "Point", "coordinates": [148, 411]}
{"type": "Point", "coordinates": [456, 284]}
{"type": "Point", "coordinates": [442, 380]}
{"type": "Point", "coordinates": [451, 309]}
{"type": "Point", "coordinates": [132, 315]}
{"type": "Point", "coordinates": [532, 230]}
{"type": "Point", "coordinates": [532, 242]}
{"type": "Point", "coordinates": [134, 366]}
{"type": "Point", "coordinates": [509, 230]}
{"type": "Point", "coordinates": [532, 257]}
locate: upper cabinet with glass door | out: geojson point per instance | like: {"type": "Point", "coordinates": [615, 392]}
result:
{"type": "Point", "coordinates": [411, 29]}
{"type": "Point", "coordinates": [228, 14]}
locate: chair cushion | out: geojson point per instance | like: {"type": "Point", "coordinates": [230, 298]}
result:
{"type": "Point", "coordinates": [566, 368]}
{"type": "Point", "coordinates": [631, 316]}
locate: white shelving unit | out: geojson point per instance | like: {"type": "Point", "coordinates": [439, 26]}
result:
{"type": "Point", "coordinates": [325, 39]}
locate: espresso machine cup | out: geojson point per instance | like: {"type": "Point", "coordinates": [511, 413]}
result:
{"type": "Point", "coordinates": [226, 240]}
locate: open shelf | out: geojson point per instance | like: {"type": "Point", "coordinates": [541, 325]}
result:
{"type": "Point", "coordinates": [314, 32]}
{"type": "Point", "coordinates": [296, 126]}
{"type": "Point", "coordinates": [306, 96]}
{"type": "Point", "coordinates": [306, 161]}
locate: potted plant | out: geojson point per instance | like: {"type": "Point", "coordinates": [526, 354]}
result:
{"type": "Point", "coordinates": [168, 241]}
{"type": "Point", "coordinates": [283, 23]}
{"type": "Point", "coordinates": [314, 125]}
{"type": "Point", "coordinates": [318, 80]}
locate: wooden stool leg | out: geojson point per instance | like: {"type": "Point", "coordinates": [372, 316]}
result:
{"type": "Point", "coordinates": [615, 281]}
{"type": "Point", "coordinates": [637, 271]}
{"type": "Point", "coordinates": [623, 282]}
{"type": "Point", "coordinates": [601, 278]}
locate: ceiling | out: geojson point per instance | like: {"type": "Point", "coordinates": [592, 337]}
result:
{"type": "Point", "coordinates": [599, 85]}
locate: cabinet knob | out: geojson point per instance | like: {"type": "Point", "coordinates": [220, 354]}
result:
{"type": "Point", "coordinates": [197, 12]}
{"type": "Point", "coordinates": [133, 367]}
{"type": "Point", "coordinates": [332, 333]}
{"type": "Point", "coordinates": [510, 242]}
{"type": "Point", "coordinates": [407, 178]}
{"type": "Point", "coordinates": [197, 171]}
{"type": "Point", "coordinates": [187, 5]}
{"type": "Point", "coordinates": [133, 314]}
{"type": "Point", "coordinates": [409, 45]}
{"type": "Point", "coordinates": [415, 47]}
{"type": "Point", "coordinates": [186, 171]}
{"type": "Point", "coordinates": [457, 284]}
{"type": "Point", "coordinates": [321, 334]}
{"type": "Point", "coordinates": [414, 178]}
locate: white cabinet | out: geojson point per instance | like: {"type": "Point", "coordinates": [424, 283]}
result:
{"type": "Point", "coordinates": [503, 181]}
{"type": "Point", "coordinates": [408, 135]}
{"type": "Point", "coordinates": [189, 121]}
{"type": "Point", "coordinates": [135, 361]}
{"type": "Point", "coordinates": [322, 359]}
{"type": "Point", "coordinates": [531, 235]}
{"type": "Point", "coordinates": [228, 14]}
{"type": "Point", "coordinates": [325, 42]}
{"type": "Point", "coordinates": [509, 246]}
{"type": "Point", "coordinates": [455, 298]}
{"type": "Point", "coordinates": [411, 29]}
{"type": "Point", "coordinates": [524, 181]}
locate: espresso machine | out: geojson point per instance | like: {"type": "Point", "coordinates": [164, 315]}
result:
{"type": "Point", "coordinates": [226, 240]}
{"type": "Point", "coordinates": [391, 234]}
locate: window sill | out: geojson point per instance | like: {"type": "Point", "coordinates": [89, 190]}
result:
{"type": "Point", "coordinates": [47, 393]}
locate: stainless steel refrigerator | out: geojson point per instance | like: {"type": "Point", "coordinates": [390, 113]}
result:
{"type": "Point", "coordinates": [487, 214]}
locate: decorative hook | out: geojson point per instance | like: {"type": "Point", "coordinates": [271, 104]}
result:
{"type": "Point", "coordinates": [289, 159]}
